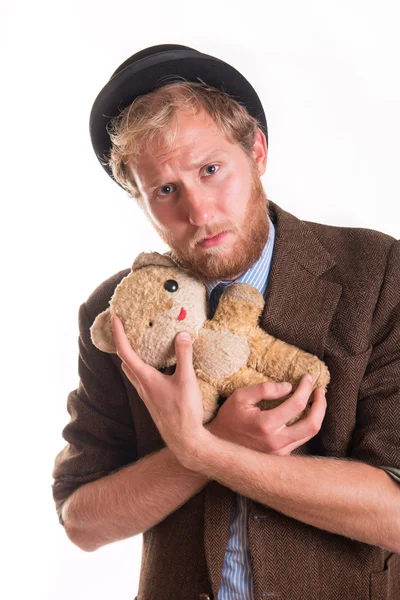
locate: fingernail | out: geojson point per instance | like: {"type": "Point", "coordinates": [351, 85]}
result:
{"type": "Point", "coordinates": [184, 335]}
{"type": "Point", "coordinates": [310, 378]}
{"type": "Point", "coordinates": [284, 384]}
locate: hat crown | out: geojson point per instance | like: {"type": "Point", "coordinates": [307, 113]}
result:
{"type": "Point", "coordinates": [149, 52]}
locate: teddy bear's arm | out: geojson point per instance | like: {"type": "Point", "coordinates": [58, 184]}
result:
{"type": "Point", "coordinates": [238, 310]}
{"type": "Point", "coordinates": [285, 362]}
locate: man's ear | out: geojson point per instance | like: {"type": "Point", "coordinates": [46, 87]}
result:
{"type": "Point", "coordinates": [260, 151]}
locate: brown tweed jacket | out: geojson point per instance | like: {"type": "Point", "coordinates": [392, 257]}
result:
{"type": "Point", "coordinates": [334, 291]}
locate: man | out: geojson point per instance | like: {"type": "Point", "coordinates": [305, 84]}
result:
{"type": "Point", "coordinates": [243, 507]}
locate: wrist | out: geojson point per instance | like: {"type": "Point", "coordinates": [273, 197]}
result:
{"type": "Point", "coordinates": [192, 455]}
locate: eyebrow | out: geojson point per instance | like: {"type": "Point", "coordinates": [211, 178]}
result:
{"type": "Point", "coordinates": [194, 165]}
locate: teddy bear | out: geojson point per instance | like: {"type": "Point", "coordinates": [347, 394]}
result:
{"type": "Point", "coordinates": [160, 298]}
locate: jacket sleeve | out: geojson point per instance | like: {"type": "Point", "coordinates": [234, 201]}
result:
{"type": "Point", "coordinates": [100, 434]}
{"type": "Point", "coordinates": [376, 438]}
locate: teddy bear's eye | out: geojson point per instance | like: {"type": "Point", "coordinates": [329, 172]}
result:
{"type": "Point", "coordinates": [171, 285]}
{"type": "Point", "coordinates": [151, 324]}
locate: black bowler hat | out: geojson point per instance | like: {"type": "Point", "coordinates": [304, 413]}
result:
{"type": "Point", "coordinates": [157, 66]}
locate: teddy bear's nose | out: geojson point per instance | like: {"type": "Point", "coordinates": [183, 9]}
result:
{"type": "Point", "coordinates": [171, 285]}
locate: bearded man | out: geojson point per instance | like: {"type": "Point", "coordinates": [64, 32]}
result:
{"type": "Point", "coordinates": [243, 507]}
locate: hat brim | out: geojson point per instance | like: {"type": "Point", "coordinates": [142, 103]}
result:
{"type": "Point", "coordinates": [154, 71]}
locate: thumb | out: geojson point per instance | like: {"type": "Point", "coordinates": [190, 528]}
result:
{"type": "Point", "coordinates": [184, 355]}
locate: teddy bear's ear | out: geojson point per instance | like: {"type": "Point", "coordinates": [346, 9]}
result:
{"type": "Point", "coordinates": [150, 259]}
{"type": "Point", "coordinates": [101, 333]}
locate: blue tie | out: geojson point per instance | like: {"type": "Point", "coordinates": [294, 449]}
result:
{"type": "Point", "coordinates": [215, 296]}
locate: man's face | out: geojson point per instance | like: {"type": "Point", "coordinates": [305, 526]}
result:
{"type": "Point", "coordinates": [202, 187]}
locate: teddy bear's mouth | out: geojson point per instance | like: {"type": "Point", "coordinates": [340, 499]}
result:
{"type": "Point", "coordinates": [182, 314]}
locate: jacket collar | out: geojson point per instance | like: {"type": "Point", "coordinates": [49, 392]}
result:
{"type": "Point", "coordinates": [296, 239]}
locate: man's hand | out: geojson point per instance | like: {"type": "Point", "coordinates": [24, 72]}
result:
{"type": "Point", "coordinates": [175, 405]}
{"type": "Point", "coordinates": [173, 401]}
{"type": "Point", "coordinates": [240, 421]}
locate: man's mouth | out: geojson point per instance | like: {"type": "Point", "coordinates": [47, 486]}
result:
{"type": "Point", "coordinates": [212, 240]}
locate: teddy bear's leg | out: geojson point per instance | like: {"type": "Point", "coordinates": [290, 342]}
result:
{"type": "Point", "coordinates": [285, 362]}
{"type": "Point", "coordinates": [210, 399]}
{"type": "Point", "coordinates": [248, 376]}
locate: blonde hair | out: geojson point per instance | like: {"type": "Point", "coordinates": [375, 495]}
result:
{"type": "Point", "coordinates": [149, 120]}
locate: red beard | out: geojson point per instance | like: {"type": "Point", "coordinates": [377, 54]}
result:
{"type": "Point", "coordinates": [218, 262]}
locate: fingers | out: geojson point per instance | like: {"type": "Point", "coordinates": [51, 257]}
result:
{"type": "Point", "coordinates": [308, 426]}
{"type": "Point", "coordinates": [277, 417]}
{"type": "Point", "coordinates": [125, 350]}
{"type": "Point", "coordinates": [268, 390]}
{"type": "Point", "coordinates": [184, 356]}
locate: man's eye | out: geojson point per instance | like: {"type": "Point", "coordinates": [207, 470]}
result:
{"type": "Point", "coordinates": [165, 190]}
{"type": "Point", "coordinates": [214, 169]}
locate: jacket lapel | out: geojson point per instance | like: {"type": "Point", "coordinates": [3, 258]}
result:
{"type": "Point", "coordinates": [219, 505]}
{"type": "Point", "coordinates": [299, 308]}
{"type": "Point", "coordinates": [299, 304]}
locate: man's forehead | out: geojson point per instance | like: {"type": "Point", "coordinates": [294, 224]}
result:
{"type": "Point", "coordinates": [196, 139]}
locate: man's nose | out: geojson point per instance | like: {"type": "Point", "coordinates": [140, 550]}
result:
{"type": "Point", "coordinates": [200, 205]}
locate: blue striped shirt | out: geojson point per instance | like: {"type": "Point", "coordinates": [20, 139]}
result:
{"type": "Point", "coordinates": [237, 580]}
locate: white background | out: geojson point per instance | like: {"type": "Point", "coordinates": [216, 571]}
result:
{"type": "Point", "coordinates": [327, 74]}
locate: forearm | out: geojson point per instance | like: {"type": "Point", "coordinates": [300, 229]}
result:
{"type": "Point", "coordinates": [129, 501]}
{"type": "Point", "coordinates": [349, 498]}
